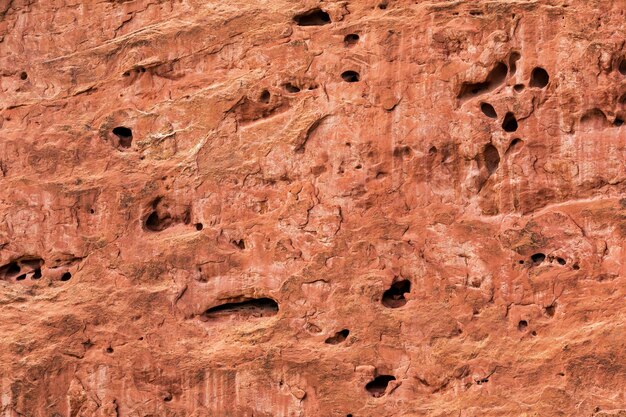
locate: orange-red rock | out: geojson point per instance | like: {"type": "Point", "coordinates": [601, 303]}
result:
{"type": "Point", "coordinates": [302, 208]}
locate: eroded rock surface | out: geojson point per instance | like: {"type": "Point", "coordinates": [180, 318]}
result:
{"type": "Point", "coordinates": [302, 208]}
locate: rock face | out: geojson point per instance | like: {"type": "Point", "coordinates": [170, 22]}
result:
{"type": "Point", "coordinates": [302, 208]}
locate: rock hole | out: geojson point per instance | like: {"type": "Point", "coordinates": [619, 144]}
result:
{"type": "Point", "coordinates": [522, 325]}
{"type": "Point", "coordinates": [37, 274]}
{"type": "Point", "coordinates": [576, 267]}
{"type": "Point", "coordinates": [488, 110]}
{"type": "Point", "coordinates": [432, 150]}
{"type": "Point", "coordinates": [560, 261]}
{"type": "Point", "coordinates": [475, 13]}
{"type": "Point", "coordinates": [291, 88]}
{"type": "Point", "coordinates": [168, 397]}
{"type": "Point", "coordinates": [495, 77]}
{"type": "Point", "coordinates": [534, 333]}
{"type": "Point", "coordinates": [23, 75]}
{"type": "Point", "coordinates": [539, 77]}
{"type": "Point", "coordinates": [11, 270]}
{"type": "Point", "coordinates": [153, 222]}
{"type": "Point", "coordinates": [519, 88]}
{"type": "Point", "coordinates": [491, 157]}
{"type": "Point", "coordinates": [350, 76]}
{"type": "Point", "coordinates": [538, 258]}
{"type": "Point", "coordinates": [264, 97]}
{"type": "Point", "coordinates": [382, 6]}
{"type": "Point", "coordinates": [622, 66]}
{"type": "Point", "coordinates": [394, 296]}
{"type": "Point", "coordinates": [509, 124]}
{"type": "Point", "coordinates": [315, 17]}
{"type": "Point", "coordinates": [241, 244]}
{"type": "Point", "coordinates": [515, 56]}
{"type": "Point", "coordinates": [257, 307]}
{"type": "Point", "coordinates": [350, 39]}
{"type": "Point", "coordinates": [514, 145]}
{"type": "Point", "coordinates": [199, 226]}
{"type": "Point", "coordinates": [66, 276]}
{"type": "Point", "coordinates": [378, 385]}
{"type": "Point", "coordinates": [109, 349]}
{"type": "Point", "coordinates": [21, 277]}
{"type": "Point", "coordinates": [618, 122]}
{"type": "Point", "coordinates": [124, 136]}
{"type": "Point", "coordinates": [339, 337]}
{"type": "Point", "coordinates": [359, 166]}
{"type": "Point", "coordinates": [550, 310]}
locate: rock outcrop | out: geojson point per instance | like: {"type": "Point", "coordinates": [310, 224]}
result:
{"type": "Point", "coordinates": [302, 208]}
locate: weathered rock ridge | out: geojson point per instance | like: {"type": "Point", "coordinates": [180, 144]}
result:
{"type": "Point", "coordinates": [302, 208]}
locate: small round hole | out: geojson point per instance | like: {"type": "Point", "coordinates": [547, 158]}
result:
{"type": "Point", "coordinates": [291, 88]}
{"type": "Point", "coordinates": [509, 124]}
{"type": "Point", "coordinates": [124, 135]}
{"type": "Point", "coordinates": [109, 349]}
{"type": "Point", "coordinates": [265, 97]}
{"type": "Point", "coordinates": [66, 276]}
{"type": "Point", "coordinates": [350, 76]}
{"type": "Point", "coordinates": [37, 274]}
{"type": "Point", "coordinates": [539, 78]}
{"type": "Point", "coordinates": [23, 75]}
{"type": "Point", "coordinates": [522, 325]}
{"type": "Point", "coordinates": [519, 88]}
{"type": "Point", "coordinates": [488, 110]}
{"type": "Point", "coordinates": [351, 39]}
{"type": "Point", "coordinates": [199, 226]}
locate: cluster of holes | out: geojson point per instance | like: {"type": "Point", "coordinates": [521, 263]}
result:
{"type": "Point", "coordinates": [26, 268]}
{"type": "Point", "coordinates": [539, 258]}
{"type": "Point", "coordinates": [138, 70]}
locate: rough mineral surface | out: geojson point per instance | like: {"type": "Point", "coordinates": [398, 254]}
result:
{"type": "Point", "coordinates": [312, 209]}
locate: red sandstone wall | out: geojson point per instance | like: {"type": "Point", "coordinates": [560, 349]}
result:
{"type": "Point", "coordinates": [236, 209]}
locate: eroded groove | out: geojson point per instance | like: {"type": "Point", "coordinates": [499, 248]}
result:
{"type": "Point", "coordinates": [249, 308]}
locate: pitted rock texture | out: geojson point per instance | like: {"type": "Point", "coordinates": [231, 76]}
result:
{"type": "Point", "coordinates": [302, 208]}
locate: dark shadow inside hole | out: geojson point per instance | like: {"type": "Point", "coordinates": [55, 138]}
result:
{"type": "Point", "coordinates": [560, 261]}
{"type": "Point", "coordinates": [12, 269]}
{"type": "Point", "coordinates": [350, 76]}
{"type": "Point", "coordinates": [339, 337]}
{"type": "Point", "coordinates": [265, 97]}
{"type": "Point", "coordinates": [622, 66]}
{"type": "Point", "coordinates": [382, 6]}
{"type": "Point", "coordinates": [241, 244]}
{"type": "Point", "coordinates": [66, 276]}
{"type": "Point", "coordinates": [125, 136]}
{"type": "Point", "coordinates": [551, 310]}
{"type": "Point", "coordinates": [21, 277]}
{"type": "Point", "coordinates": [515, 56]}
{"type": "Point", "coordinates": [514, 145]}
{"type": "Point", "coordinates": [618, 122]}
{"type": "Point", "coordinates": [491, 157]}
{"type": "Point", "coordinates": [23, 75]}
{"type": "Point", "coordinates": [291, 88]}
{"type": "Point", "coordinates": [488, 110]}
{"type": "Point", "coordinates": [538, 258]}
{"type": "Point", "coordinates": [509, 124]}
{"type": "Point", "coordinates": [315, 17]}
{"type": "Point", "coordinates": [539, 77]}
{"type": "Point", "coordinates": [378, 385]}
{"type": "Point", "coordinates": [199, 226]}
{"type": "Point", "coordinates": [519, 88]}
{"type": "Point", "coordinates": [394, 296]}
{"type": "Point", "coordinates": [495, 77]}
{"type": "Point", "coordinates": [257, 307]}
{"type": "Point", "coordinates": [37, 273]}
{"type": "Point", "coordinates": [522, 325]}
{"type": "Point", "coordinates": [351, 39]}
